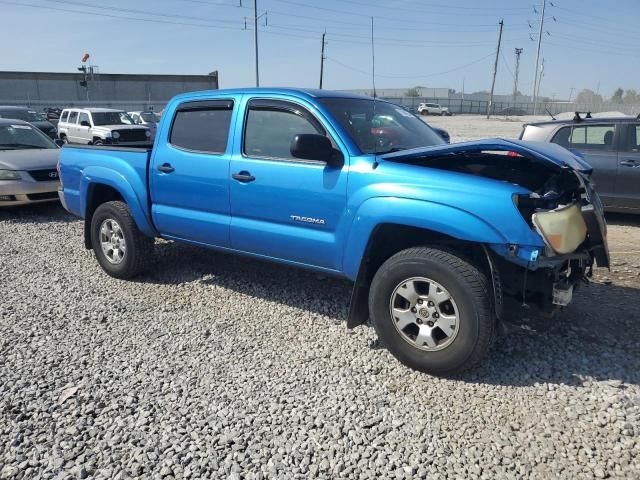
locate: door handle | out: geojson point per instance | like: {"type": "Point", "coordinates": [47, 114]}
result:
{"type": "Point", "coordinates": [166, 168]}
{"type": "Point", "coordinates": [629, 163]}
{"type": "Point", "coordinates": [243, 176]}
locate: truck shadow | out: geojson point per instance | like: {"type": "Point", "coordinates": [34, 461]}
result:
{"type": "Point", "coordinates": [623, 219]}
{"type": "Point", "coordinates": [595, 339]}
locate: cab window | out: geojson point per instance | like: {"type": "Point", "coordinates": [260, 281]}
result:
{"type": "Point", "coordinates": [73, 117]}
{"type": "Point", "coordinates": [586, 137]}
{"type": "Point", "coordinates": [270, 128]}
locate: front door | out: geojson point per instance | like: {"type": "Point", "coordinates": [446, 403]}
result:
{"type": "Point", "coordinates": [189, 173]}
{"type": "Point", "coordinates": [283, 207]}
{"type": "Point", "coordinates": [628, 181]}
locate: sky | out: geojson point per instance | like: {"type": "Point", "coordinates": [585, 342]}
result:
{"type": "Point", "coordinates": [432, 43]}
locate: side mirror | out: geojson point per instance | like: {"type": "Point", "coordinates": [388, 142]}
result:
{"type": "Point", "coordinates": [84, 123]}
{"type": "Point", "coordinates": [312, 146]}
{"type": "Point", "coordinates": [59, 142]}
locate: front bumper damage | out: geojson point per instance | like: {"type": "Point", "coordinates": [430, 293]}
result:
{"type": "Point", "coordinates": [532, 283]}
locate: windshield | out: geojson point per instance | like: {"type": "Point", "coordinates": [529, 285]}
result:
{"type": "Point", "coordinates": [149, 117]}
{"type": "Point", "coordinates": [19, 114]}
{"type": "Point", "coordinates": [111, 118]}
{"type": "Point", "coordinates": [390, 129]}
{"type": "Point", "coordinates": [13, 137]}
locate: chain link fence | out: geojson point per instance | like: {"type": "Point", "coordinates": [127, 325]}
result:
{"type": "Point", "coordinates": [479, 107]}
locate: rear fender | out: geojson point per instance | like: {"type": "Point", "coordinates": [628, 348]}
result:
{"type": "Point", "coordinates": [127, 186]}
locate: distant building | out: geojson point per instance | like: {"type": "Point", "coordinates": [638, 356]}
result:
{"type": "Point", "coordinates": [126, 91]}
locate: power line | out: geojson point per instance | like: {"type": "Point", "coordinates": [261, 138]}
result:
{"type": "Point", "coordinates": [368, 73]}
{"type": "Point", "coordinates": [97, 14]}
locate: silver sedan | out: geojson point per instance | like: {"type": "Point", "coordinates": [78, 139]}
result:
{"type": "Point", "coordinates": [28, 160]}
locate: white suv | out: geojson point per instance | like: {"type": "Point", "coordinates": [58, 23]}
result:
{"type": "Point", "coordinates": [101, 126]}
{"type": "Point", "coordinates": [432, 109]}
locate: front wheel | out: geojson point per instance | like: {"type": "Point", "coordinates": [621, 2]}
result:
{"type": "Point", "coordinates": [121, 249]}
{"type": "Point", "coordinates": [432, 310]}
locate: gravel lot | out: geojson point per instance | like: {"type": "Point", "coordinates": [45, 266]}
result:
{"type": "Point", "coordinates": [213, 366]}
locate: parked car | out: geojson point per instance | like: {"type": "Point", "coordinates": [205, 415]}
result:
{"type": "Point", "coordinates": [440, 241]}
{"type": "Point", "coordinates": [28, 115]}
{"type": "Point", "coordinates": [28, 161]}
{"type": "Point", "coordinates": [440, 131]}
{"type": "Point", "coordinates": [52, 114]}
{"type": "Point", "coordinates": [610, 145]}
{"type": "Point", "coordinates": [101, 126]}
{"type": "Point", "coordinates": [432, 109]}
{"type": "Point", "coordinates": [148, 119]}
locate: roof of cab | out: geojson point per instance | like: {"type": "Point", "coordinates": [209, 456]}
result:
{"type": "Point", "coordinates": [301, 92]}
{"type": "Point", "coordinates": [571, 121]}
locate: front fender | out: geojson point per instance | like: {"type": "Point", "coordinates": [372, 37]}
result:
{"type": "Point", "coordinates": [127, 186]}
{"type": "Point", "coordinates": [436, 217]}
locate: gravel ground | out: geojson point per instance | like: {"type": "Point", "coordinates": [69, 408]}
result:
{"type": "Point", "coordinates": [473, 127]}
{"type": "Point", "coordinates": [213, 366]}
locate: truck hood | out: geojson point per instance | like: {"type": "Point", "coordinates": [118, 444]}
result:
{"type": "Point", "coordinates": [546, 152]}
{"type": "Point", "coordinates": [29, 159]}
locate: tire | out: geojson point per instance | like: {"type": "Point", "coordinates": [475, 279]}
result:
{"type": "Point", "coordinates": [98, 142]}
{"type": "Point", "coordinates": [442, 114]}
{"type": "Point", "coordinates": [64, 139]}
{"type": "Point", "coordinates": [470, 303]}
{"type": "Point", "coordinates": [136, 248]}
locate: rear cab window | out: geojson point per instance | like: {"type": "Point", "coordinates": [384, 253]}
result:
{"type": "Point", "coordinates": [632, 138]}
{"type": "Point", "coordinates": [202, 126]}
{"type": "Point", "coordinates": [64, 116]}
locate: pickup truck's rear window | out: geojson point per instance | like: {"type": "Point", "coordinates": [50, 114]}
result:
{"type": "Point", "coordinates": [202, 129]}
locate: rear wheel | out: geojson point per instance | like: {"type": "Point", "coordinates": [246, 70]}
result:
{"type": "Point", "coordinates": [432, 310]}
{"type": "Point", "coordinates": [121, 249]}
{"type": "Point", "coordinates": [98, 142]}
{"type": "Point", "coordinates": [64, 139]}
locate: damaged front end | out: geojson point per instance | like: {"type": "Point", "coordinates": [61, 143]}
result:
{"type": "Point", "coordinates": [568, 215]}
{"type": "Point", "coordinates": [561, 231]}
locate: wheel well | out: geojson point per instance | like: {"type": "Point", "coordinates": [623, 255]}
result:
{"type": "Point", "coordinates": [95, 138]}
{"type": "Point", "coordinates": [387, 240]}
{"type": "Point", "coordinates": [97, 194]}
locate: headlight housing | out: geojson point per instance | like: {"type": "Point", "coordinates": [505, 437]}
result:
{"type": "Point", "coordinates": [9, 175]}
{"type": "Point", "coordinates": [563, 229]}
{"type": "Point", "coordinates": [115, 135]}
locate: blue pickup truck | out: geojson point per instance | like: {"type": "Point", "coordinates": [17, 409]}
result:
{"type": "Point", "coordinates": [443, 242]}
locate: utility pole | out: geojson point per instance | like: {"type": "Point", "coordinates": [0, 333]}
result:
{"type": "Point", "coordinates": [515, 83]}
{"type": "Point", "coordinates": [540, 79]}
{"type": "Point", "coordinates": [495, 70]}
{"type": "Point", "coordinates": [535, 71]}
{"type": "Point", "coordinates": [571, 94]}
{"type": "Point", "coordinates": [255, 37]}
{"type": "Point", "coordinates": [322, 57]}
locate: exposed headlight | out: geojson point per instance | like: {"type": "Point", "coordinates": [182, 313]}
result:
{"type": "Point", "coordinates": [9, 175]}
{"type": "Point", "coordinates": [147, 133]}
{"type": "Point", "coordinates": [115, 135]}
{"type": "Point", "coordinates": [562, 229]}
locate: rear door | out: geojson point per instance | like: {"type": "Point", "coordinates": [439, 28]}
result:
{"type": "Point", "coordinates": [598, 144]}
{"type": "Point", "coordinates": [283, 207]}
{"type": "Point", "coordinates": [84, 127]}
{"type": "Point", "coordinates": [72, 127]}
{"type": "Point", "coordinates": [189, 173]}
{"type": "Point", "coordinates": [628, 181]}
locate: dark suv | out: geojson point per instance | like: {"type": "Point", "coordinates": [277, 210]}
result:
{"type": "Point", "coordinates": [611, 145]}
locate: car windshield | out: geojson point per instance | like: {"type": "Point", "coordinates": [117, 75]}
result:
{"type": "Point", "coordinates": [19, 114]}
{"type": "Point", "coordinates": [149, 117]}
{"type": "Point", "coordinates": [14, 137]}
{"type": "Point", "coordinates": [380, 127]}
{"type": "Point", "coordinates": [111, 118]}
